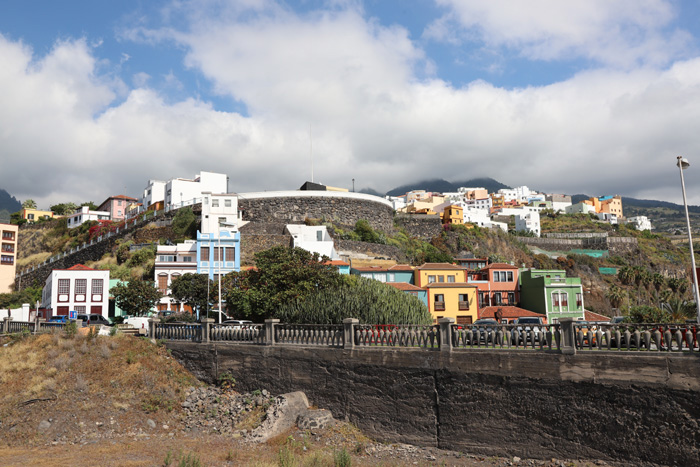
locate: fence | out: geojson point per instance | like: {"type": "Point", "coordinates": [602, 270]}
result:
{"type": "Point", "coordinates": [566, 337]}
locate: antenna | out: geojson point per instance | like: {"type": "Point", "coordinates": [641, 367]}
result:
{"type": "Point", "coordinates": [311, 152]}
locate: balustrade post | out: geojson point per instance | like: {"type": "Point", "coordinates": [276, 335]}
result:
{"type": "Point", "coordinates": [38, 325]}
{"type": "Point", "coordinates": [6, 325]}
{"type": "Point", "coordinates": [152, 323]}
{"type": "Point", "coordinates": [446, 334]}
{"type": "Point", "coordinates": [206, 326]}
{"type": "Point", "coordinates": [349, 332]}
{"type": "Point", "coordinates": [270, 331]}
{"type": "Point", "coordinates": [568, 339]}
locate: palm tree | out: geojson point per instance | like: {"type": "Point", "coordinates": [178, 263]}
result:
{"type": "Point", "coordinates": [615, 295]}
{"type": "Point", "coordinates": [679, 309]}
{"type": "Point", "coordinates": [625, 275]}
{"type": "Point", "coordinates": [658, 280]}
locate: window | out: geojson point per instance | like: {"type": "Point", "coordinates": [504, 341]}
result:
{"type": "Point", "coordinates": [215, 203]}
{"type": "Point", "coordinates": [441, 278]}
{"type": "Point", "coordinates": [30, 217]}
{"type": "Point", "coordinates": [510, 276]}
{"type": "Point", "coordinates": [227, 203]}
{"type": "Point", "coordinates": [463, 301]}
{"type": "Point", "coordinates": [497, 298]}
{"type": "Point", "coordinates": [80, 286]}
{"type": "Point", "coordinates": [230, 254]}
{"type": "Point", "coordinates": [187, 259]}
{"type": "Point", "coordinates": [483, 299]}
{"type": "Point", "coordinates": [166, 258]}
{"type": "Point", "coordinates": [8, 235]}
{"type": "Point", "coordinates": [564, 299]}
{"type": "Point", "coordinates": [511, 298]}
{"type": "Point", "coordinates": [391, 277]}
{"type": "Point", "coordinates": [8, 248]}
{"type": "Point", "coordinates": [450, 278]}
{"type": "Point", "coordinates": [63, 286]}
{"type": "Point", "coordinates": [555, 299]}
{"type": "Point", "coordinates": [7, 259]}
{"type": "Point", "coordinates": [97, 285]}
{"type": "Point", "coordinates": [439, 302]}
{"type": "Point", "coordinates": [503, 276]}
{"type": "Point", "coordinates": [80, 308]}
{"type": "Point", "coordinates": [579, 300]}
{"type": "Point", "coordinates": [218, 253]}
{"type": "Point", "coordinates": [431, 279]}
{"type": "Point", "coordinates": [222, 221]}
{"type": "Point", "coordinates": [367, 275]}
{"type": "Point", "coordinates": [204, 253]}
{"type": "Point", "coordinates": [206, 201]}
{"type": "Point", "coordinates": [496, 277]}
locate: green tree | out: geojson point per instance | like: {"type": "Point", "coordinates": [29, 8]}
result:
{"type": "Point", "coordinates": [92, 206]}
{"type": "Point", "coordinates": [193, 290]}
{"type": "Point", "coordinates": [370, 301]}
{"type": "Point", "coordinates": [29, 204]}
{"type": "Point", "coordinates": [136, 297]}
{"type": "Point", "coordinates": [282, 275]}
{"type": "Point", "coordinates": [185, 223]}
{"type": "Point", "coordinates": [64, 209]}
{"type": "Point", "coordinates": [658, 280]}
{"type": "Point", "coordinates": [626, 275]}
{"type": "Point", "coordinates": [367, 233]}
{"type": "Point", "coordinates": [678, 309]}
{"type": "Point", "coordinates": [616, 296]}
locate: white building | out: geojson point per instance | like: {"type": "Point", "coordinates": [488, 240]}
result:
{"type": "Point", "coordinates": [179, 192]}
{"type": "Point", "coordinates": [78, 288]}
{"type": "Point", "coordinates": [520, 193]}
{"type": "Point", "coordinates": [313, 238]}
{"type": "Point", "coordinates": [640, 222]}
{"type": "Point", "coordinates": [521, 211]}
{"type": "Point", "coordinates": [84, 214]}
{"type": "Point", "coordinates": [559, 202]}
{"type": "Point", "coordinates": [397, 202]}
{"type": "Point", "coordinates": [173, 261]}
{"type": "Point", "coordinates": [479, 203]}
{"type": "Point", "coordinates": [219, 211]}
{"type": "Point", "coordinates": [607, 217]}
{"type": "Point", "coordinates": [528, 222]}
{"type": "Point", "coordinates": [579, 208]}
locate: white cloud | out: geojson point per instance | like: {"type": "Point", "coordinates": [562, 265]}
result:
{"type": "Point", "coordinates": [64, 136]}
{"type": "Point", "coordinates": [620, 33]}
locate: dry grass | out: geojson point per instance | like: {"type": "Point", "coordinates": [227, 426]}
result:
{"type": "Point", "coordinates": [33, 260]}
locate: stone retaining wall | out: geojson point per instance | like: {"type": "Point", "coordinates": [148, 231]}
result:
{"type": "Point", "coordinates": [343, 209]}
{"type": "Point", "coordinates": [628, 408]}
{"type": "Point", "coordinates": [615, 245]}
{"type": "Point", "coordinates": [351, 248]}
{"type": "Point", "coordinates": [422, 226]}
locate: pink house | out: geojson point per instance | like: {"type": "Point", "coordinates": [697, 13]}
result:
{"type": "Point", "coordinates": [117, 206]}
{"type": "Point", "coordinates": [497, 284]}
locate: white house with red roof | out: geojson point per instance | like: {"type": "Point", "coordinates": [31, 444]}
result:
{"type": "Point", "coordinates": [78, 288]}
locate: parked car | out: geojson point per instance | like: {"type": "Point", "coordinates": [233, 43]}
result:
{"type": "Point", "coordinates": [533, 327]}
{"type": "Point", "coordinates": [58, 319]}
{"type": "Point", "coordinates": [93, 319]}
{"type": "Point", "coordinates": [238, 323]}
{"type": "Point", "coordinates": [486, 329]}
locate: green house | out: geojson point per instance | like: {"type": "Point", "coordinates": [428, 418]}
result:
{"type": "Point", "coordinates": [551, 293]}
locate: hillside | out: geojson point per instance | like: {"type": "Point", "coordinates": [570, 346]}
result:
{"type": "Point", "coordinates": [442, 186]}
{"type": "Point", "coordinates": [8, 205]}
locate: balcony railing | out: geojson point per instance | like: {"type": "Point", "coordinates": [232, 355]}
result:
{"type": "Point", "coordinates": [439, 306]}
{"type": "Point", "coordinates": [463, 305]}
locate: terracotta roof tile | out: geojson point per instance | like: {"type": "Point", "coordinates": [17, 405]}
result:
{"type": "Point", "coordinates": [507, 311]}
{"type": "Point", "coordinates": [450, 285]}
{"type": "Point", "coordinates": [590, 316]}
{"type": "Point", "coordinates": [499, 266]}
{"type": "Point", "coordinates": [405, 286]}
{"type": "Point", "coordinates": [440, 266]}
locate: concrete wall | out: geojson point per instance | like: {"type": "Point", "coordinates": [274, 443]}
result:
{"type": "Point", "coordinates": [614, 244]}
{"type": "Point", "coordinates": [621, 407]}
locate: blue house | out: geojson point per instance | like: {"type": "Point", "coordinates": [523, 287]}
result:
{"type": "Point", "coordinates": [218, 253]}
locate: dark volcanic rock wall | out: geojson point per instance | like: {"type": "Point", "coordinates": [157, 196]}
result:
{"type": "Point", "coordinates": [640, 409]}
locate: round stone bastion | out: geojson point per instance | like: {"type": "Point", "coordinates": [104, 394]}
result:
{"type": "Point", "coordinates": [295, 207]}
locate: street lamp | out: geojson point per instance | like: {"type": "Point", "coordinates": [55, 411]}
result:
{"type": "Point", "coordinates": [682, 165]}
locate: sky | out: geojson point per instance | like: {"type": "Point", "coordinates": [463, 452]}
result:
{"type": "Point", "coordinates": [584, 96]}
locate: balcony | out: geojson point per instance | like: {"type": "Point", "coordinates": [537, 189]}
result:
{"type": "Point", "coordinates": [463, 305]}
{"type": "Point", "coordinates": [439, 306]}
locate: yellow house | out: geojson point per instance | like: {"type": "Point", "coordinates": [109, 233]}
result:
{"type": "Point", "coordinates": [453, 214]}
{"type": "Point", "coordinates": [430, 273]}
{"type": "Point", "coordinates": [33, 215]}
{"type": "Point", "coordinates": [453, 300]}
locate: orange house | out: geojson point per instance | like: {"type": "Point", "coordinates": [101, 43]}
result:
{"type": "Point", "coordinates": [497, 284]}
{"type": "Point", "coordinates": [453, 214]}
